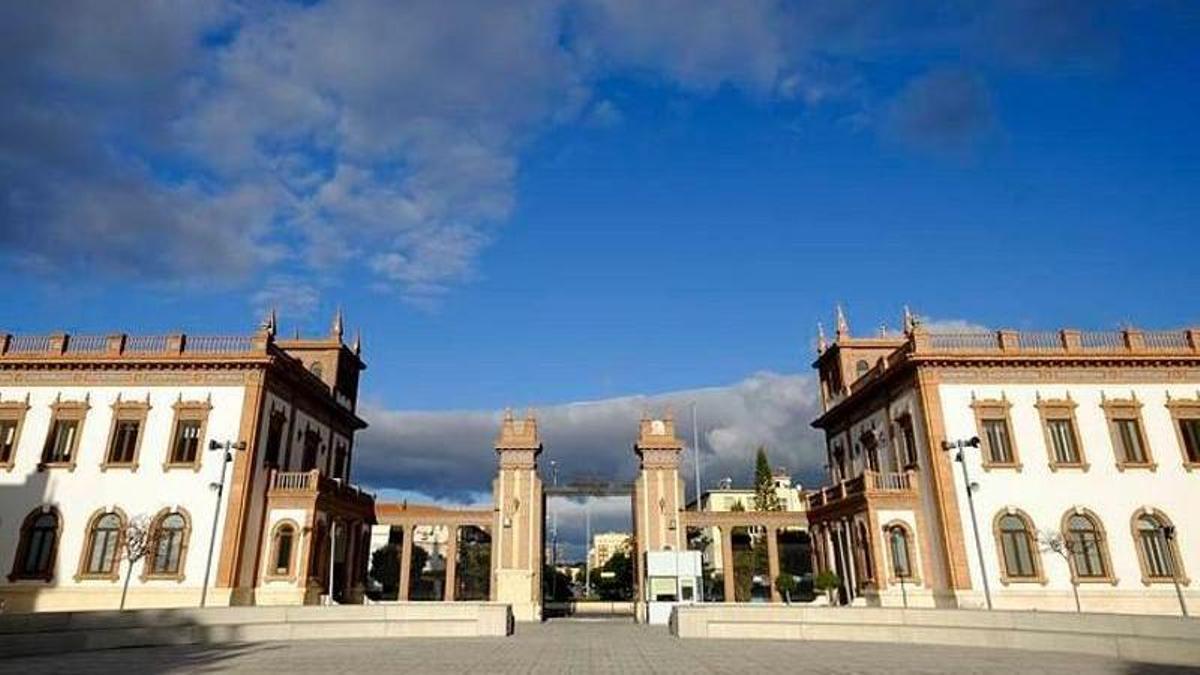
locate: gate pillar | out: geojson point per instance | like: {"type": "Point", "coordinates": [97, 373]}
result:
{"type": "Point", "coordinates": [518, 543]}
{"type": "Point", "coordinates": [657, 498]}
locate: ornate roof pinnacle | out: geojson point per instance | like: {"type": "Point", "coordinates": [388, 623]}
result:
{"type": "Point", "coordinates": [822, 343]}
{"type": "Point", "coordinates": [338, 328]}
{"type": "Point", "coordinates": [843, 328]}
{"type": "Point", "coordinates": [910, 321]}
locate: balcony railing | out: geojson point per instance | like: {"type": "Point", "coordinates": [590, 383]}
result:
{"type": "Point", "coordinates": [868, 483]}
{"type": "Point", "coordinates": [140, 346]}
{"type": "Point", "coordinates": [313, 483]}
{"type": "Point", "coordinates": [87, 344]}
{"type": "Point", "coordinates": [1130, 341]}
{"type": "Point", "coordinates": [218, 344]}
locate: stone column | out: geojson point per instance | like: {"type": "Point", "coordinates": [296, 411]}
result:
{"type": "Point", "coordinates": [406, 548]}
{"type": "Point", "coordinates": [451, 563]}
{"type": "Point", "coordinates": [351, 557]}
{"type": "Point", "coordinates": [727, 562]}
{"type": "Point", "coordinates": [518, 539]}
{"type": "Point", "coordinates": [773, 562]}
{"type": "Point", "coordinates": [658, 497]}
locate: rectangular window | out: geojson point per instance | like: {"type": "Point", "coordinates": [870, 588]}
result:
{"type": "Point", "coordinates": [274, 438]}
{"type": "Point", "coordinates": [123, 448]}
{"type": "Point", "coordinates": [187, 442]}
{"type": "Point", "coordinates": [1189, 433]}
{"type": "Point", "coordinates": [999, 447]}
{"type": "Point", "coordinates": [60, 443]}
{"type": "Point", "coordinates": [1062, 441]}
{"type": "Point", "coordinates": [1129, 440]}
{"type": "Point", "coordinates": [992, 419]}
{"type": "Point", "coordinates": [908, 442]}
{"type": "Point", "coordinates": [8, 441]}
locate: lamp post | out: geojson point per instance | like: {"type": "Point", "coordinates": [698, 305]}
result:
{"type": "Point", "coordinates": [332, 555]}
{"type": "Point", "coordinates": [554, 538]}
{"type": "Point", "coordinates": [587, 549]}
{"type": "Point", "coordinates": [696, 452]}
{"type": "Point", "coordinates": [958, 446]}
{"type": "Point", "coordinates": [1168, 533]}
{"type": "Point", "coordinates": [227, 448]}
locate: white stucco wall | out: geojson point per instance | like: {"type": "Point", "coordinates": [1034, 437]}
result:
{"type": "Point", "coordinates": [79, 493]}
{"type": "Point", "coordinates": [1114, 496]}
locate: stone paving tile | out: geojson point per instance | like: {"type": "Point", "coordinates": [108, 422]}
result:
{"type": "Point", "coordinates": [568, 646]}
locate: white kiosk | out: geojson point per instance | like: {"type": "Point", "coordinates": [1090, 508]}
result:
{"type": "Point", "coordinates": [672, 578]}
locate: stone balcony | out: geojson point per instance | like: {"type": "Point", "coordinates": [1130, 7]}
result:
{"type": "Point", "coordinates": [868, 485]}
{"type": "Point", "coordinates": [311, 485]}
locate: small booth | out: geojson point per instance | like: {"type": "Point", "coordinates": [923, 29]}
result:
{"type": "Point", "coordinates": [672, 578]}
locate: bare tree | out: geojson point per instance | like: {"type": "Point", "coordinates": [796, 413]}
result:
{"type": "Point", "coordinates": [1055, 542]}
{"type": "Point", "coordinates": [135, 544]}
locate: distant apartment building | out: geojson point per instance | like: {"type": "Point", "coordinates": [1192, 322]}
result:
{"type": "Point", "coordinates": [726, 498]}
{"type": "Point", "coordinates": [1087, 442]}
{"type": "Point", "coordinates": [605, 545]}
{"type": "Point", "coordinates": [101, 432]}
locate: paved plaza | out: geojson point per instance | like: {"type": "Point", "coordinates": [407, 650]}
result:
{"type": "Point", "coordinates": [573, 646]}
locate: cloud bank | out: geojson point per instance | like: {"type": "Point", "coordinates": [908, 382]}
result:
{"type": "Point", "coordinates": [449, 456]}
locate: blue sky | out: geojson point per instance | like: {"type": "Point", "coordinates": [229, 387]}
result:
{"type": "Point", "coordinates": [581, 200]}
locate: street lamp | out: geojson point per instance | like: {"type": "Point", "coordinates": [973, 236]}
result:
{"type": "Point", "coordinates": [554, 537]}
{"type": "Point", "coordinates": [227, 447]}
{"type": "Point", "coordinates": [958, 446]}
{"type": "Point", "coordinates": [696, 452]}
{"type": "Point", "coordinates": [1168, 533]}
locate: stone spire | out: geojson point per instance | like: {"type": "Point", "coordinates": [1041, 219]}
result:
{"type": "Point", "coordinates": [270, 323]}
{"type": "Point", "coordinates": [843, 328]}
{"type": "Point", "coordinates": [338, 329]}
{"type": "Point", "coordinates": [358, 342]}
{"type": "Point", "coordinates": [910, 322]}
{"type": "Point", "coordinates": [822, 343]}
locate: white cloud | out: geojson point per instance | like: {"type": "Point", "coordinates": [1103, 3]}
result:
{"type": "Point", "coordinates": [151, 138]}
{"type": "Point", "coordinates": [952, 326]}
{"type": "Point", "coordinates": [289, 296]}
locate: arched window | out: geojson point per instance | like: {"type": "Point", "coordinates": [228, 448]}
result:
{"type": "Point", "coordinates": [315, 368]}
{"type": "Point", "coordinates": [1018, 552]}
{"type": "Point", "coordinates": [169, 543]}
{"type": "Point", "coordinates": [1085, 543]}
{"type": "Point", "coordinates": [898, 544]}
{"type": "Point", "coordinates": [103, 545]}
{"type": "Point", "coordinates": [37, 547]}
{"type": "Point", "coordinates": [861, 367]}
{"type": "Point", "coordinates": [1157, 547]}
{"type": "Point", "coordinates": [283, 545]}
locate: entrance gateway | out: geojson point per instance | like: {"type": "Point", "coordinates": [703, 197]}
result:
{"type": "Point", "coordinates": [498, 554]}
{"type": "Point", "coordinates": [665, 572]}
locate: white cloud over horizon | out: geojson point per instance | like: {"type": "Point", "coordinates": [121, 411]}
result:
{"type": "Point", "coordinates": [447, 457]}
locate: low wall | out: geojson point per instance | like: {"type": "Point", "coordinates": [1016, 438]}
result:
{"type": "Point", "coordinates": [1152, 639]}
{"type": "Point", "coordinates": [56, 632]}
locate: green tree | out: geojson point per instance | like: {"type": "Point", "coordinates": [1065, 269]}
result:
{"type": "Point", "coordinates": [827, 581]}
{"type": "Point", "coordinates": [786, 585]}
{"type": "Point", "coordinates": [474, 569]}
{"type": "Point", "coordinates": [385, 569]}
{"type": "Point", "coordinates": [556, 586]}
{"type": "Point", "coordinates": [614, 581]}
{"type": "Point", "coordinates": [765, 498]}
